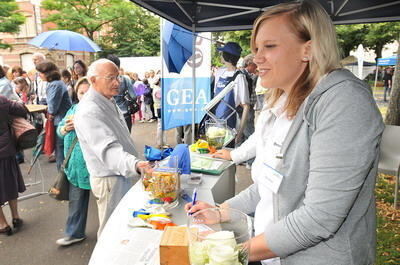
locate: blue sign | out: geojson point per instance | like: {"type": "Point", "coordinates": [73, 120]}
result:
{"type": "Point", "coordinates": [177, 101]}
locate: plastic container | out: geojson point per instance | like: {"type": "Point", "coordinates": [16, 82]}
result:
{"type": "Point", "coordinates": [163, 185]}
{"type": "Point", "coordinates": [215, 133]}
{"type": "Point", "coordinates": [219, 236]}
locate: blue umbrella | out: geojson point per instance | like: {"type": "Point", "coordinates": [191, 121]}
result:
{"type": "Point", "coordinates": [64, 40]}
{"type": "Point", "coordinates": [177, 46]}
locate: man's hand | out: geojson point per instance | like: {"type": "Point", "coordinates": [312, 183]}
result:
{"type": "Point", "coordinates": [50, 117]}
{"type": "Point", "coordinates": [144, 166]}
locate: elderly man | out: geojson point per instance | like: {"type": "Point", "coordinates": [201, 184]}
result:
{"type": "Point", "coordinates": [39, 86]}
{"type": "Point", "coordinates": [106, 144]}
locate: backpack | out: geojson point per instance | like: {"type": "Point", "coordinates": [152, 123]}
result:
{"type": "Point", "coordinates": [130, 102]}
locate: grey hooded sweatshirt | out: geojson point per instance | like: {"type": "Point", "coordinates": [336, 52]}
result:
{"type": "Point", "coordinates": [324, 210]}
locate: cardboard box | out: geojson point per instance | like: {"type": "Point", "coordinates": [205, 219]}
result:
{"type": "Point", "coordinates": [174, 246]}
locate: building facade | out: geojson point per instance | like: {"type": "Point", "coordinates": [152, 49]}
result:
{"type": "Point", "coordinates": [21, 52]}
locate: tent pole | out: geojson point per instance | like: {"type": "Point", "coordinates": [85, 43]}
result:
{"type": "Point", "coordinates": [376, 79]}
{"type": "Point", "coordinates": [193, 81]}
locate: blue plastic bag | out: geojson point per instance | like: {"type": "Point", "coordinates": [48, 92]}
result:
{"type": "Point", "coordinates": [181, 151]}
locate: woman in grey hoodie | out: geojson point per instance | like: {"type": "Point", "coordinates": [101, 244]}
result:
{"type": "Point", "coordinates": [316, 146]}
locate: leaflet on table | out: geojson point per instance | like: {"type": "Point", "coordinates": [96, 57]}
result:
{"type": "Point", "coordinates": [127, 251]}
{"type": "Point", "coordinates": [204, 162]}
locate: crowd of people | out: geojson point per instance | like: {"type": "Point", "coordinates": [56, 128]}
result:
{"type": "Point", "coordinates": [315, 149]}
{"type": "Point", "coordinates": [62, 91]}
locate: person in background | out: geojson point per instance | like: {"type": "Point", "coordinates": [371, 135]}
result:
{"type": "Point", "coordinates": [125, 87]}
{"type": "Point", "coordinates": [6, 69]}
{"type": "Point", "coordinates": [39, 86]}
{"type": "Point", "coordinates": [11, 179]}
{"type": "Point", "coordinates": [6, 88]}
{"type": "Point", "coordinates": [77, 174]}
{"type": "Point", "coordinates": [66, 77]}
{"type": "Point", "coordinates": [261, 93]}
{"type": "Point", "coordinates": [58, 102]}
{"type": "Point", "coordinates": [153, 79]}
{"type": "Point", "coordinates": [139, 89]}
{"type": "Point", "coordinates": [161, 140]}
{"type": "Point", "coordinates": [387, 83]}
{"type": "Point", "coordinates": [79, 70]}
{"type": "Point", "coordinates": [16, 71]}
{"type": "Point", "coordinates": [147, 100]}
{"type": "Point", "coordinates": [316, 153]}
{"type": "Point", "coordinates": [106, 143]}
{"type": "Point", "coordinates": [250, 71]}
{"type": "Point", "coordinates": [238, 98]}
{"type": "Point", "coordinates": [22, 88]}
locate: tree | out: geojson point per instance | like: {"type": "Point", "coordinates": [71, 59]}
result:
{"type": "Point", "coordinates": [126, 29]}
{"type": "Point", "coordinates": [10, 20]}
{"type": "Point", "coordinates": [84, 16]}
{"type": "Point", "coordinates": [137, 33]}
{"type": "Point", "coordinates": [242, 37]}
{"type": "Point", "coordinates": [349, 37]}
{"type": "Point", "coordinates": [380, 34]}
{"type": "Point", "coordinates": [393, 112]}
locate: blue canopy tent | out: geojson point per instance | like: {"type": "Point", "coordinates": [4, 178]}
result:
{"type": "Point", "coordinates": [392, 60]}
{"type": "Point", "coordinates": [224, 15]}
{"type": "Point", "coordinates": [388, 61]}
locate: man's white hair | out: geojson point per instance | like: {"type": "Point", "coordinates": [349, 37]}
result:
{"type": "Point", "coordinates": [95, 66]}
{"type": "Point", "coordinates": [39, 55]}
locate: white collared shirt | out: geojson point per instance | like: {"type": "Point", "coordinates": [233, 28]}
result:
{"type": "Point", "coordinates": [265, 145]}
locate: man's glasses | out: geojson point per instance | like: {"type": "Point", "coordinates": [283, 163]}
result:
{"type": "Point", "coordinates": [111, 78]}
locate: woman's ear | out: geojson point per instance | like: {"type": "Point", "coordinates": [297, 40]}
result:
{"type": "Point", "coordinates": [307, 51]}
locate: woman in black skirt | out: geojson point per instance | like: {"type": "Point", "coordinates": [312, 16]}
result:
{"type": "Point", "coordinates": [11, 182]}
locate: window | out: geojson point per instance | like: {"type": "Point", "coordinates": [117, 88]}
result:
{"type": "Point", "coordinates": [26, 62]}
{"type": "Point", "coordinates": [69, 60]}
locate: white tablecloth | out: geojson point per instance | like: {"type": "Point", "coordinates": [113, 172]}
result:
{"type": "Point", "coordinates": [120, 244]}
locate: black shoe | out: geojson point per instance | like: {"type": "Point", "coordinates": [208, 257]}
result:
{"type": "Point", "coordinates": [17, 223]}
{"type": "Point", "coordinates": [6, 230]}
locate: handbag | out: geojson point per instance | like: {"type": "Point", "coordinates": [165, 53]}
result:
{"type": "Point", "coordinates": [24, 133]}
{"type": "Point", "coordinates": [60, 189]}
{"type": "Point", "coordinates": [49, 138]}
{"type": "Point", "coordinates": [133, 106]}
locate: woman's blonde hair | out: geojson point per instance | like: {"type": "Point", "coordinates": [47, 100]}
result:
{"type": "Point", "coordinates": [309, 21]}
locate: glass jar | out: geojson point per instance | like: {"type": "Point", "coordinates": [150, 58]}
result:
{"type": "Point", "coordinates": [219, 236]}
{"type": "Point", "coordinates": [215, 133]}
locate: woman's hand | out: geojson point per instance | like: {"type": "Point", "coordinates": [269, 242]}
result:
{"type": "Point", "coordinates": [200, 205]}
{"type": "Point", "coordinates": [223, 153]}
{"type": "Point", "coordinates": [69, 125]}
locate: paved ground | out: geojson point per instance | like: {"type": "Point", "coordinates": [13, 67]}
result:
{"type": "Point", "coordinates": [45, 218]}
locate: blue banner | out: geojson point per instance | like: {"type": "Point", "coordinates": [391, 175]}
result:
{"type": "Point", "coordinates": [177, 101]}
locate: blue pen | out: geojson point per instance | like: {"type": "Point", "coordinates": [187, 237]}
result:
{"type": "Point", "coordinates": [194, 196]}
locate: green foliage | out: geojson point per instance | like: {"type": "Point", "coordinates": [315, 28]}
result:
{"type": "Point", "coordinates": [388, 223]}
{"type": "Point", "coordinates": [126, 29]}
{"type": "Point", "coordinates": [379, 34]}
{"type": "Point", "coordinates": [85, 16]}
{"type": "Point", "coordinates": [349, 37]}
{"type": "Point", "coordinates": [138, 34]}
{"type": "Point", "coordinates": [10, 20]}
{"type": "Point", "coordinates": [373, 36]}
{"type": "Point", "coordinates": [242, 37]}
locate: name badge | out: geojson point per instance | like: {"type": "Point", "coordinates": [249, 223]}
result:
{"type": "Point", "coordinates": [271, 178]}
